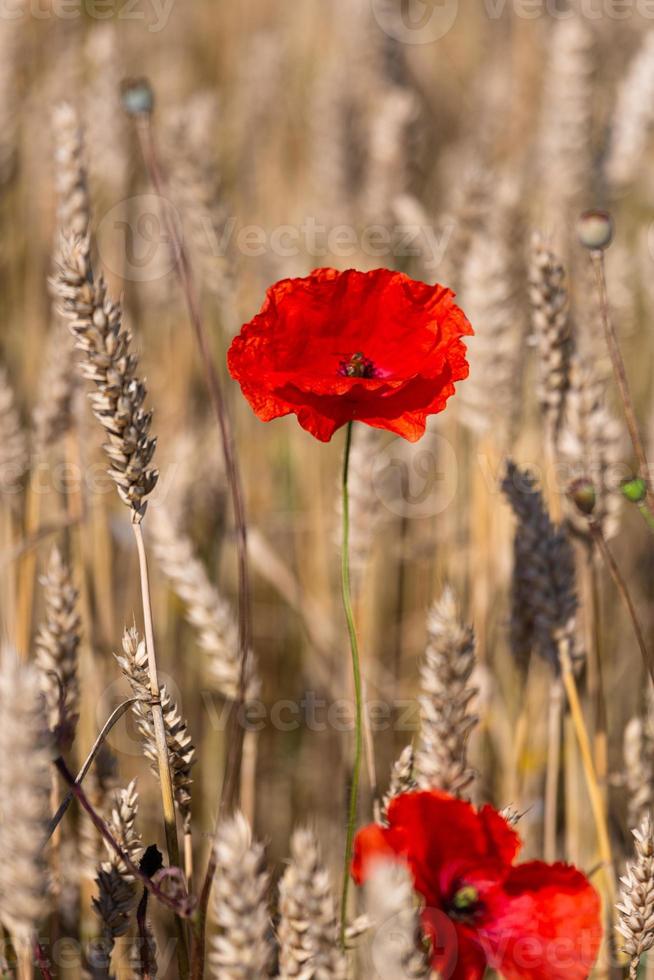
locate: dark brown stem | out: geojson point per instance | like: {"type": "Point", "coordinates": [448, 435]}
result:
{"type": "Point", "coordinates": [41, 961]}
{"type": "Point", "coordinates": [183, 908]}
{"type": "Point", "coordinates": [620, 373]}
{"type": "Point", "coordinates": [183, 269]}
{"type": "Point", "coordinates": [97, 745]}
{"type": "Point", "coordinates": [622, 588]}
{"type": "Point", "coordinates": [144, 949]}
{"type": "Point", "coordinates": [235, 734]}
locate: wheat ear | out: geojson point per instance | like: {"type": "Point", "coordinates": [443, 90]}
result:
{"type": "Point", "coordinates": [74, 208]}
{"type": "Point", "coordinates": [636, 908]}
{"type": "Point", "coordinates": [117, 402]}
{"type": "Point", "coordinates": [181, 751]}
{"type": "Point", "coordinates": [552, 331]}
{"type": "Point", "coordinates": [57, 644]}
{"type": "Point", "coordinates": [632, 118]}
{"type": "Point", "coordinates": [241, 950]}
{"type": "Point", "coordinates": [638, 752]}
{"type": "Point", "coordinates": [397, 944]}
{"type": "Point", "coordinates": [308, 928]}
{"type": "Point", "coordinates": [195, 189]}
{"type": "Point", "coordinates": [14, 452]}
{"type": "Point", "coordinates": [566, 124]}
{"type": "Point", "coordinates": [206, 610]}
{"type": "Point", "coordinates": [115, 902]}
{"type": "Point", "coordinates": [446, 719]}
{"type": "Point", "coordinates": [544, 598]}
{"type": "Point", "coordinates": [25, 781]}
{"type": "Point", "coordinates": [402, 779]}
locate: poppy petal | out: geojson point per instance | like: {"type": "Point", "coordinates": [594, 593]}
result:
{"type": "Point", "coordinates": [543, 924]}
{"type": "Point", "coordinates": [370, 844]}
{"type": "Point", "coordinates": [456, 953]}
{"type": "Point", "coordinates": [297, 355]}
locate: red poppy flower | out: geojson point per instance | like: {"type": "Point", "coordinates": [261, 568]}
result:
{"type": "Point", "coordinates": [536, 921]}
{"type": "Point", "coordinates": [334, 347]}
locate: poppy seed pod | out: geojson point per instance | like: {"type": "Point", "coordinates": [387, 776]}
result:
{"type": "Point", "coordinates": [137, 97]}
{"type": "Point", "coordinates": [584, 496]}
{"type": "Point", "coordinates": [595, 230]}
{"type": "Point", "coordinates": [634, 490]}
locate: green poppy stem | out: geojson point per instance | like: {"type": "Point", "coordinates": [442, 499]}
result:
{"type": "Point", "coordinates": [647, 514]}
{"type": "Point", "coordinates": [358, 695]}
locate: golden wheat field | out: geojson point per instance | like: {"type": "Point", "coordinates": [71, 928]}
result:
{"type": "Point", "coordinates": [326, 517]}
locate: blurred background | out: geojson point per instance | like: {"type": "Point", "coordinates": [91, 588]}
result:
{"type": "Point", "coordinates": [436, 138]}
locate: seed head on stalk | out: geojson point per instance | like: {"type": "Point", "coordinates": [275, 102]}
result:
{"type": "Point", "coordinates": [117, 401]}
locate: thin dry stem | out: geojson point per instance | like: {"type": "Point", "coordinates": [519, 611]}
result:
{"type": "Point", "coordinates": [620, 374]}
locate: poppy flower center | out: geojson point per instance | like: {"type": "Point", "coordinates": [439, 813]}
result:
{"type": "Point", "coordinates": [357, 365]}
{"type": "Point", "coordinates": [464, 903]}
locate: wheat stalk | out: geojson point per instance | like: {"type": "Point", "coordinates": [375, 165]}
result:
{"type": "Point", "coordinates": [115, 902]}
{"type": "Point", "coordinates": [57, 383]}
{"type": "Point", "coordinates": [590, 447]}
{"type": "Point", "coordinates": [74, 209]}
{"type": "Point", "coordinates": [117, 402]}
{"type": "Point", "coordinates": [386, 174]}
{"type": "Point", "coordinates": [57, 645]}
{"type": "Point", "coordinates": [104, 119]}
{"type": "Point", "coordinates": [491, 298]}
{"type": "Point", "coordinates": [241, 950]}
{"type": "Point", "coordinates": [147, 943]}
{"type": "Point", "coordinates": [544, 599]}
{"type": "Point", "coordinates": [638, 751]}
{"type": "Point", "coordinates": [330, 150]}
{"type": "Point", "coordinates": [181, 751]}
{"type": "Point", "coordinates": [472, 195]}
{"type": "Point", "coordinates": [53, 411]}
{"type": "Point", "coordinates": [632, 118]}
{"type": "Point", "coordinates": [10, 52]}
{"type": "Point", "coordinates": [636, 909]}
{"type": "Point", "coordinates": [446, 692]}
{"type": "Point", "coordinates": [14, 452]}
{"type": "Point", "coordinates": [364, 501]}
{"type": "Point", "coordinates": [206, 610]}
{"type": "Point", "coordinates": [308, 928]}
{"type": "Point", "coordinates": [566, 124]}
{"type": "Point", "coordinates": [99, 783]}
{"type": "Point", "coordinates": [25, 782]}
{"type": "Point", "coordinates": [397, 950]}
{"type": "Point", "coordinates": [402, 779]}
{"type": "Point", "coordinates": [196, 191]}
{"type": "Point", "coordinates": [552, 331]}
